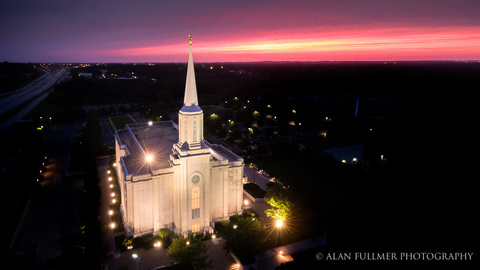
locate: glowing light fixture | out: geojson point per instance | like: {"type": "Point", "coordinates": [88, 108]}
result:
{"type": "Point", "coordinates": [279, 223]}
{"type": "Point", "coordinates": [149, 158]}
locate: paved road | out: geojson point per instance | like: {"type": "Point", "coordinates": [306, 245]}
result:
{"type": "Point", "coordinates": [53, 211]}
{"type": "Point", "coordinates": [22, 95]}
{"type": "Point", "coordinates": [108, 137]}
{"type": "Point", "coordinates": [45, 71]}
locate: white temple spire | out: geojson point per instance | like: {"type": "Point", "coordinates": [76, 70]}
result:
{"type": "Point", "coordinates": [190, 98]}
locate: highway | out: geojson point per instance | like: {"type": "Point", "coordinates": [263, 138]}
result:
{"type": "Point", "coordinates": [17, 97]}
{"type": "Point", "coordinates": [37, 88]}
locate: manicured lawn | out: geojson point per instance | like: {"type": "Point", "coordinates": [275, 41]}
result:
{"type": "Point", "coordinates": [121, 121]}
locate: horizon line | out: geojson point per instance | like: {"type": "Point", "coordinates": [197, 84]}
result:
{"type": "Point", "coordinates": [241, 62]}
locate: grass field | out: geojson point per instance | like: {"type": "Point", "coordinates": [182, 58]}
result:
{"type": "Point", "coordinates": [121, 121]}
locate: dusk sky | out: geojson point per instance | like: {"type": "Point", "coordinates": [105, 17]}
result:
{"type": "Point", "coordinates": [231, 31]}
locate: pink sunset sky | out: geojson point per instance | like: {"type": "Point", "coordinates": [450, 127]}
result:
{"type": "Point", "coordinates": [234, 31]}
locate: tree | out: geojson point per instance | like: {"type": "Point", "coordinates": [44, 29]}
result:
{"type": "Point", "coordinates": [189, 253]}
{"type": "Point", "coordinates": [244, 237]}
{"type": "Point", "coordinates": [277, 198]}
{"type": "Point", "coordinates": [164, 232]}
{"type": "Point", "coordinates": [127, 242]}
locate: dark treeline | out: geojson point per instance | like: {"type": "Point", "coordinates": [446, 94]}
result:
{"type": "Point", "coordinates": [218, 81]}
{"type": "Point", "coordinates": [16, 75]}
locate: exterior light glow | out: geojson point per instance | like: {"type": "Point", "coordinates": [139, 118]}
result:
{"type": "Point", "coordinates": [279, 223]}
{"type": "Point", "coordinates": [245, 202]}
{"type": "Point", "coordinates": [235, 227]}
{"type": "Point", "coordinates": [112, 225]}
{"type": "Point", "coordinates": [134, 255]}
{"type": "Point", "coordinates": [188, 243]}
{"type": "Point", "coordinates": [108, 172]}
{"type": "Point", "coordinates": [214, 236]}
{"type": "Point", "coordinates": [109, 178]}
{"type": "Point", "coordinates": [110, 212]}
{"type": "Point", "coordinates": [149, 158]}
{"type": "Point", "coordinates": [150, 123]}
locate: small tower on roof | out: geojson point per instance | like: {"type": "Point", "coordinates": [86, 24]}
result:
{"type": "Point", "coordinates": [190, 116]}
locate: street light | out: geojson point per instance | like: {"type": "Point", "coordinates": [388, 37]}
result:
{"type": "Point", "coordinates": [136, 258]}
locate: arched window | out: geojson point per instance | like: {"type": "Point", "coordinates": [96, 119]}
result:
{"type": "Point", "coordinates": [195, 203]}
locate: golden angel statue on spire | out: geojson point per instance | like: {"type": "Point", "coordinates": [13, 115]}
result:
{"type": "Point", "coordinates": [190, 37]}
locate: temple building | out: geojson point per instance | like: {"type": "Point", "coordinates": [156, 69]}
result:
{"type": "Point", "coordinates": [170, 177]}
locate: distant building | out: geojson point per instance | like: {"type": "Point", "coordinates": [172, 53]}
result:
{"type": "Point", "coordinates": [85, 75]}
{"type": "Point", "coordinates": [169, 176]}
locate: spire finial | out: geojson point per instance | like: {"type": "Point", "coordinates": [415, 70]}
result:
{"type": "Point", "coordinates": [191, 38]}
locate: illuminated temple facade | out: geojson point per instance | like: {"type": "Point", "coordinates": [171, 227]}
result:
{"type": "Point", "coordinates": [170, 177]}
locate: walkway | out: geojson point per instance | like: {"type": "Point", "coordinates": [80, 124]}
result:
{"type": "Point", "coordinates": [255, 177]}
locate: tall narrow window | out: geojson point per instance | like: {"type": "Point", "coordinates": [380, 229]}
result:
{"type": "Point", "coordinates": [194, 131]}
{"type": "Point", "coordinates": [185, 125]}
{"type": "Point", "coordinates": [195, 203]}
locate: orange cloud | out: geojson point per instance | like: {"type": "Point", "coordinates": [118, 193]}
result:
{"type": "Point", "coordinates": [376, 44]}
